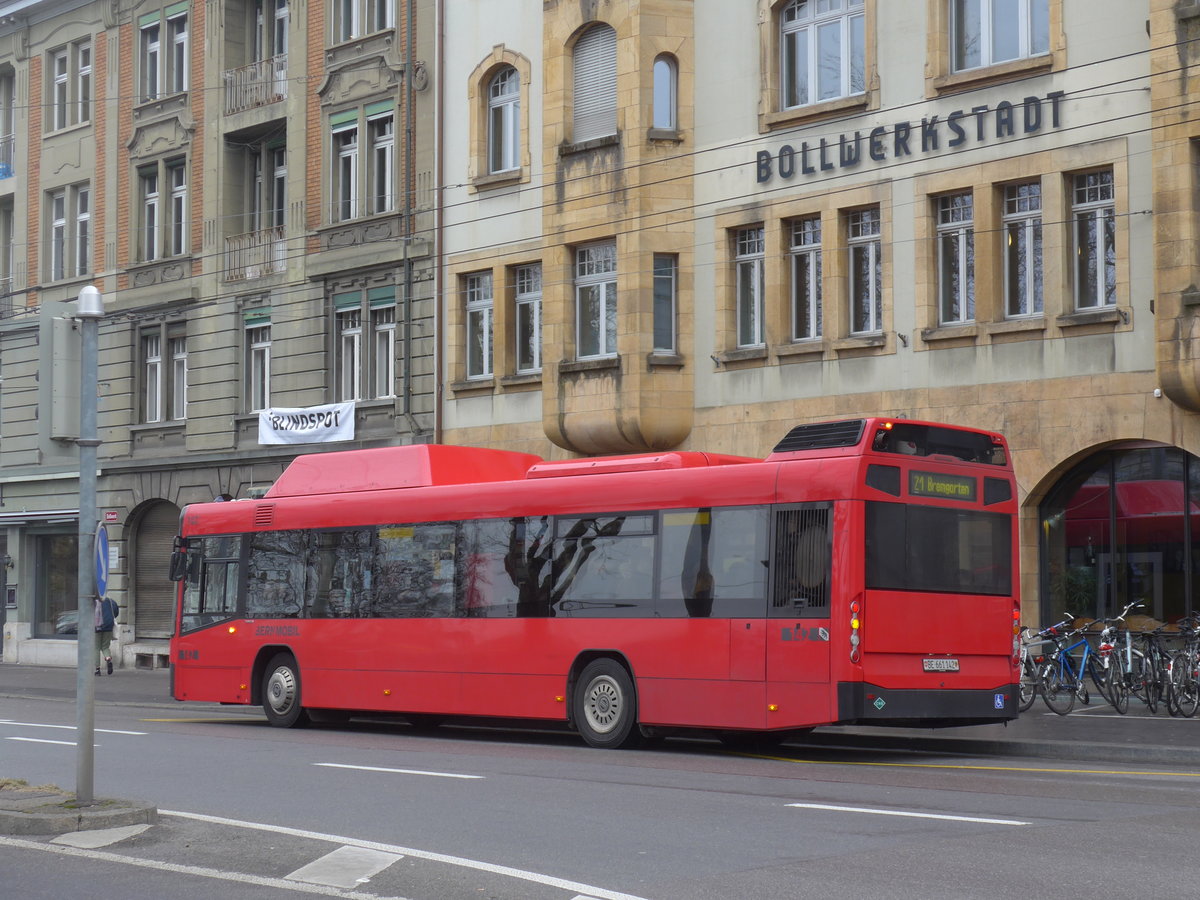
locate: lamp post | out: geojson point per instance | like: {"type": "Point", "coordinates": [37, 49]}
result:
{"type": "Point", "coordinates": [88, 311]}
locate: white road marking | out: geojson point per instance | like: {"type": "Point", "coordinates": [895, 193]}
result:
{"type": "Point", "coordinates": [345, 867]}
{"type": "Point", "coordinates": [911, 815]}
{"type": "Point", "coordinates": [43, 741]}
{"type": "Point", "coordinates": [101, 837]}
{"type": "Point", "coordinates": [66, 727]}
{"type": "Point", "coordinates": [396, 771]}
{"type": "Point", "coordinates": [534, 877]}
{"type": "Point", "coordinates": [201, 871]}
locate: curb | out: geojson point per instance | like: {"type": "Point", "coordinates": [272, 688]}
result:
{"type": "Point", "coordinates": [48, 812]}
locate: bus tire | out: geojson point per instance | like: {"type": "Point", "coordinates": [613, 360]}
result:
{"type": "Point", "coordinates": [281, 692]}
{"type": "Point", "coordinates": [605, 705]}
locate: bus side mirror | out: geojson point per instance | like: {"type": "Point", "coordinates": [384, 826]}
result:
{"type": "Point", "coordinates": [179, 561]}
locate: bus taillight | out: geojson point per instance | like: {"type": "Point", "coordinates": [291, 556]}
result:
{"type": "Point", "coordinates": [855, 624]}
{"type": "Point", "coordinates": [1016, 635]}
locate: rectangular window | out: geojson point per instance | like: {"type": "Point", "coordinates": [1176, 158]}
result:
{"type": "Point", "coordinates": [152, 376]}
{"type": "Point", "coordinates": [176, 76]}
{"type": "Point", "coordinates": [258, 359]}
{"type": "Point", "coordinates": [151, 61]}
{"type": "Point", "coordinates": [345, 20]}
{"type": "Point", "coordinates": [866, 271]}
{"type": "Point", "coordinates": [345, 173]}
{"type": "Point", "coordinates": [956, 258]}
{"type": "Point", "coordinates": [666, 268]}
{"type": "Point", "coordinates": [148, 180]}
{"type": "Point", "coordinates": [529, 318]}
{"type": "Point", "coordinates": [823, 47]}
{"type": "Point", "coordinates": [177, 218]}
{"type": "Point", "coordinates": [1023, 249]}
{"type": "Point", "coordinates": [69, 235]}
{"type": "Point", "coordinates": [164, 379]}
{"type": "Point", "coordinates": [58, 235]}
{"type": "Point", "coordinates": [177, 348]}
{"type": "Point", "coordinates": [806, 279]}
{"type": "Point", "coordinates": [164, 220]}
{"type": "Point", "coordinates": [364, 349]}
{"type": "Point", "coordinates": [380, 14]}
{"type": "Point", "coordinates": [479, 307]}
{"type": "Point", "coordinates": [349, 354]}
{"type": "Point", "coordinates": [349, 15]}
{"type": "Point", "coordinates": [70, 72]}
{"type": "Point", "coordinates": [1095, 228]}
{"type": "Point", "coordinates": [749, 261]}
{"type": "Point", "coordinates": [383, 350]}
{"type": "Point", "coordinates": [596, 300]}
{"type": "Point", "coordinates": [83, 231]}
{"type": "Point", "coordinates": [986, 32]}
{"type": "Point", "coordinates": [380, 134]}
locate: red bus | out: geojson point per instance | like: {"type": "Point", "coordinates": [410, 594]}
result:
{"type": "Point", "coordinates": [864, 572]}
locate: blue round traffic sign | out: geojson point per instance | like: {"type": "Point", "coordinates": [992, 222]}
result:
{"type": "Point", "coordinates": [101, 559]}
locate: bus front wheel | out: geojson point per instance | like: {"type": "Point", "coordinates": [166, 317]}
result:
{"type": "Point", "coordinates": [605, 705]}
{"type": "Point", "coordinates": [281, 692]}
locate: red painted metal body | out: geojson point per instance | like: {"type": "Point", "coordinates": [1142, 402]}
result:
{"type": "Point", "coordinates": [758, 673]}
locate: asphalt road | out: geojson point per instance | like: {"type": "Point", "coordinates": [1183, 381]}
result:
{"type": "Point", "coordinates": [381, 810]}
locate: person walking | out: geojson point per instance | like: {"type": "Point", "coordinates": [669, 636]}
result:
{"type": "Point", "coordinates": [106, 619]}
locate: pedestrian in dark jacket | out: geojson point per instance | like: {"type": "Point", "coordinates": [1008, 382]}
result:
{"type": "Point", "coordinates": [106, 619]}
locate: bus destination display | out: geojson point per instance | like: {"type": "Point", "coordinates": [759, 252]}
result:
{"type": "Point", "coordinates": [945, 487]}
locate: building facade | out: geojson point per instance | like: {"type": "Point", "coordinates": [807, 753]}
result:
{"type": "Point", "coordinates": [600, 227]}
{"type": "Point", "coordinates": [249, 184]}
{"type": "Point", "coordinates": [725, 219]}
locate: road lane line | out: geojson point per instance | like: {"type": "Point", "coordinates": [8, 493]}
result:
{"type": "Point", "coordinates": [970, 768]}
{"type": "Point", "coordinates": [44, 741]}
{"type": "Point", "coordinates": [67, 727]}
{"type": "Point", "coordinates": [345, 867]}
{"type": "Point", "coordinates": [533, 877]}
{"type": "Point", "coordinates": [200, 871]}
{"type": "Point", "coordinates": [909, 815]}
{"type": "Point", "coordinates": [396, 771]}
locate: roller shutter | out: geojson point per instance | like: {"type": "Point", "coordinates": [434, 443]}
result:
{"type": "Point", "coordinates": [153, 593]}
{"type": "Point", "coordinates": [595, 94]}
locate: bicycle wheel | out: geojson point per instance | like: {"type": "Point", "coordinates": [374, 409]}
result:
{"type": "Point", "coordinates": [1099, 676]}
{"type": "Point", "coordinates": [1031, 683]}
{"type": "Point", "coordinates": [1151, 690]}
{"type": "Point", "coordinates": [1118, 688]}
{"type": "Point", "coordinates": [1058, 687]}
{"type": "Point", "coordinates": [1185, 690]}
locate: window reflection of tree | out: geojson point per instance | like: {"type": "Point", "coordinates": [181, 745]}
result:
{"type": "Point", "coordinates": [544, 569]}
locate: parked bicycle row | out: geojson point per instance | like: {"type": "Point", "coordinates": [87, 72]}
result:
{"type": "Point", "coordinates": [1155, 663]}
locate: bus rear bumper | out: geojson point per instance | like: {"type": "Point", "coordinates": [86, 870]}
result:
{"type": "Point", "coordinates": [869, 704]}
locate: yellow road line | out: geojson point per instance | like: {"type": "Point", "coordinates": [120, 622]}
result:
{"type": "Point", "coordinates": [899, 765]}
{"type": "Point", "coordinates": [211, 721]}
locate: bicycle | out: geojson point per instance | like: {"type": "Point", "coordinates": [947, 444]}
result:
{"type": "Point", "coordinates": [1184, 696]}
{"type": "Point", "coordinates": [1116, 651]}
{"type": "Point", "coordinates": [1031, 676]}
{"type": "Point", "coordinates": [1063, 678]}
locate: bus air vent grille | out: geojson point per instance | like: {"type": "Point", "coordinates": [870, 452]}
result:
{"type": "Point", "coordinates": [822, 436]}
{"type": "Point", "coordinates": [264, 515]}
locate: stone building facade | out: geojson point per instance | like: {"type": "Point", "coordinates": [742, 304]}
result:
{"type": "Point", "coordinates": [746, 216]}
{"type": "Point", "coordinates": [249, 185]}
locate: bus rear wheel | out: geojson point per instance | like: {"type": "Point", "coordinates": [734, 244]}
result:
{"type": "Point", "coordinates": [281, 692]}
{"type": "Point", "coordinates": [605, 705]}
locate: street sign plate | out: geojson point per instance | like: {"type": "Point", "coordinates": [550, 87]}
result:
{"type": "Point", "coordinates": [101, 557]}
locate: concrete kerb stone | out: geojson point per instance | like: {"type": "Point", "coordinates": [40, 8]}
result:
{"type": "Point", "coordinates": [42, 810]}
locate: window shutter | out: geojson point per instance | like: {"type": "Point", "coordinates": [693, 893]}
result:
{"type": "Point", "coordinates": [595, 84]}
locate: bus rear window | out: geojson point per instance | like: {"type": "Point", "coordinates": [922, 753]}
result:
{"type": "Point", "coordinates": [915, 439]}
{"type": "Point", "coordinates": [925, 548]}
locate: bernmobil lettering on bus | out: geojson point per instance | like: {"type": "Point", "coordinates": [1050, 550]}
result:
{"type": "Point", "coordinates": [315, 424]}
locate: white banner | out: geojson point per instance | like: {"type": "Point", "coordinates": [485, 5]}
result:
{"type": "Point", "coordinates": [314, 425]}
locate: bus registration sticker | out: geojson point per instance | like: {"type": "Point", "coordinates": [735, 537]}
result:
{"type": "Point", "coordinates": [940, 665]}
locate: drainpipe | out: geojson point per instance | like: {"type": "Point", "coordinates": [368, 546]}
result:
{"type": "Point", "coordinates": [438, 113]}
{"type": "Point", "coordinates": [409, 181]}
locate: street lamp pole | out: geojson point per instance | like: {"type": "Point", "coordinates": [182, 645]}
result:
{"type": "Point", "coordinates": [88, 311]}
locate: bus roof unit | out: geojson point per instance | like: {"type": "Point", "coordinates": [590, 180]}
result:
{"type": "Point", "coordinates": [382, 468]}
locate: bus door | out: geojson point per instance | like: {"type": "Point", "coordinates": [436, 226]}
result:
{"type": "Point", "coordinates": [798, 624]}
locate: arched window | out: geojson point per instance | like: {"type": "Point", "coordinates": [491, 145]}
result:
{"type": "Point", "coordinates": [595, 84]}
{"type": "Point", "coordinates": [666, 93]}
{"type": "Point", "coordinates": [504, 121]}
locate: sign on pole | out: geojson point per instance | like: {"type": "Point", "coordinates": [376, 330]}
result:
{"type": "Point", "coordinates": [101, 560]}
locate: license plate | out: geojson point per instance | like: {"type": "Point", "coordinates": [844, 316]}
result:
{"type": "Point", "coordinates": [940, 665]}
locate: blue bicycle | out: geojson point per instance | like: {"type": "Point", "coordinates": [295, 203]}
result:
{"type": "Point", "coordinates": [1064, 674]}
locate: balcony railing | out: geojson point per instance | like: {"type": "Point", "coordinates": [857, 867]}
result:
{"type": "Point", "coordinates": [7, 146]}
{"type": "Point", "coordinates": [257, 84]}
{"type": "Point", "coordinates": [255, 254]}
{"type": "Point", "coordinates": [6, 298]}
